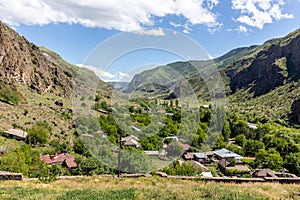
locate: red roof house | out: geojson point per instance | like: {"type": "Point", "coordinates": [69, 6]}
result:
{"type": "Point", "coordinates": [61, 159]}
{"type": "Point", "coordinates": [46, 159]}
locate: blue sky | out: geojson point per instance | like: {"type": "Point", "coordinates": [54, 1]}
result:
{"type": "Point", "coordinates": [74, 29]}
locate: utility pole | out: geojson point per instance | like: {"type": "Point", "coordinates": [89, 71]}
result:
{"type": "Point", "coordinates": [119, 155]}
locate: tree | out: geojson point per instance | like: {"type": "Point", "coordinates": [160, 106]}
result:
{"type": "Point", "coordinates": [135, 161]}
{"type": "Point", "coordinates": [97, 98]}
{"type": "Point", "coordinates": [79, 147]}
{"type": "Point", "coordinates": [277, 143]}
{"type": "Point", "coordinates": [9, 95]}
{"type": "Point", "coordinates": [104, 105]}
{"type": "Point", "coordinates": [226, 131]}
{"type": "Point", "coordinates": [292, 163]}
{"type": "Point", "coordinates": [235, 148]}
{"type": "Point", "coordinates": [240, 127]}
{"type": "Point", "coordinates": [186, 169]}
{"type": "Point", "coordinates": [252, 146]}
{"type": "Point", "coordinates": [48, 173]}
{"type": "Point", "coordinates": [174, 150]}
{"type": "Point", "coordinates": [23, 160]}
{"type": "Point", "coordinates": [131, 109]}
{"type": "Point", "coordinates": [177, 103]}
{"type": "Point", "coordinates": [269, 159]}
{"type": "Point", "coordinates": [38, 134]}
{"type": "Point", "coordinates": [220, 143]}
{"type": "Point", "coordinates": [240, 140]}
{"type": "Point", "coordinates": [151, 143]}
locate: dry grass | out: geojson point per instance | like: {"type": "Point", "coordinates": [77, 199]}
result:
{"type": "Point", "coordinates": [147, 188]}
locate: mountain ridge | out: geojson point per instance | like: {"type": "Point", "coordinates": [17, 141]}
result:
{"type": "Point", "coordinates": [249, 73]}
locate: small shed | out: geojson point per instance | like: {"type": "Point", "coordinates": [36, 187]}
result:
{"type": "Point", "coordinates": [201, 157]}
{"type": "Point", "coordinates": [207, 174]}
{"type": "Point", "coordinates": [188, 156]}
{"type": "Point", "coordinates": [261, 173]}
{"type": "Point", "coordinates": [131, 141]}
{"type": "Point", "coordinates": [152, 153]}
{"type": "Point", "coordinates": [16, 134]}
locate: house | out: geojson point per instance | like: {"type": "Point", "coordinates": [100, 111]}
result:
{"type": "Point", "coordinates": [205, 106]}
{"type": "Point", "coordinates": [87, 135]}
{"type": "Point", "coordinates": [185, 147]}
{"type": "Point", "coordinates": [252, 125]}
{"type": "Point", "coordinates": [64, 159]}
{"type": "Point", "coordinates": [10, 176]}
{"type": "Point", "coordinates": [46, 159]}
{"type": "Point", "coordinates": [228, 167]}
{"type": "Point", "coordinates": [161, 111]}
{"type": "Point", "coordinates": [172, 138]}
{"type": "Point", "coordinates": [201, 157]}
{"type": "Point", "coordinates": [101, 133]}
{"type": "Point", "coordinates": [152, 153]}
{"type": "Point", "coordinates": [207, 174]}
{"type": "Point", "coordinates": [135, 128]}
{"type": "Point", "coordinates": [188, 156]}
{"type": "Point", "coordinates": [261, 173]}
{"type": "Point", "coordinates": [16, 134]}
{"type": "Point", "coordinates": [169, 113]}
{"type": "Point", "coordinates": [70, 162]}
{"type": "Point", "coordinates": [131, 141]}
{"type": "Point", "coordinates": [102, 111]}
{"type": "Point", "coordinates": [228, 155]}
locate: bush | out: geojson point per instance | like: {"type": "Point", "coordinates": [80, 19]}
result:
{"type": "Point", "coordinates": [174, 150]}
{"type": "Point", "coordinates": [39, 133]}
{"type": "Point", "coordinates": [9, 95]}
{"type": "Point", "coordinates": [186, 169]}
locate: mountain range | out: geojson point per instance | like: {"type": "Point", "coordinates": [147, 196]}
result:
{"type": "Point", "coordinates": [259, 80]}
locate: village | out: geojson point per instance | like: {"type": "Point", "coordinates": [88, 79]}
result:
{"type": "Point", "coordinates": [221, 164]}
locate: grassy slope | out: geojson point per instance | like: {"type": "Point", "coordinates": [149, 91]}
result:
{"type": "Point", "coordinates": [41, 107]}
{"type": "Point", "coordinates": [275, 105]}
{"type": "Point", "coordinates": [143, 188]}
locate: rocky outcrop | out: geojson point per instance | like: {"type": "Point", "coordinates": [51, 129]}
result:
{"type": "Point", "coordinates": [270, 68]}
{"type": "Point", "coordinates": [24, 63]}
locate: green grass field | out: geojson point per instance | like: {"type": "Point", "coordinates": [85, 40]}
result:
{"type": "Point", "coordinates": [143, 188]}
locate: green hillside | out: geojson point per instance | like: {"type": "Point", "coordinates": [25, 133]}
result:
{"type": "Point", "coordinates": [259, 79]}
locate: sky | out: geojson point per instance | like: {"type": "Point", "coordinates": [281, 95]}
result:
{"type": "Point", "coordinates": [75, 29]}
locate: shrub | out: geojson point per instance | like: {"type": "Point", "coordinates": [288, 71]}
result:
{"type": "Point", "coordinates": [9, 95]}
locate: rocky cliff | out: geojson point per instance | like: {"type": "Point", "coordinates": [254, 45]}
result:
{"type": "Point", "coordinates": [277, 64]}
{"type": "Point", "coordinates": [22, 62]}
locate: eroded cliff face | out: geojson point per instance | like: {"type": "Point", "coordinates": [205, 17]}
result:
{"type": "Point", "coordinates": [22, 62]}
{"type": "Point", "coordinates": [270, 68]}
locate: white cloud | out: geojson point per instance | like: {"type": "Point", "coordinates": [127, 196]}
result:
{"type": "Point", "coordinates": [107, 76]}
{"type": "Point", "coordinates": [128, 16]}
{"type": "Point", "coordinates": [186, 31]}
{"type": "Point", "coordinates": [242, 29]}
{"type": "Point", "coordinates": [176, 25]}
{"type": "Point", "coordinates": [257, 13]}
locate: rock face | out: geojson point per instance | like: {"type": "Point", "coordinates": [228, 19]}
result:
{"type": "Point", "coordinates": [270, 68]}
{"type": "Point", "coordinates": [24, 63]}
